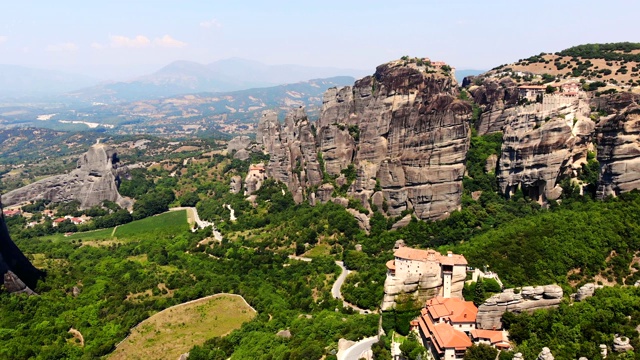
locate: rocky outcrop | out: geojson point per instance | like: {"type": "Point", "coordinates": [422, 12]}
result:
{"type": "Point", "coordinates": [235, 185]}
{"type": "Point", "coordinates": [622, 344]}
{"type": "Point", "coordinates": [619, 146]}
{"type": "Point", "coordinates": [238, 143]}
{"type": "Point", "coordinates": [545, 354]}
{"type": "Point", "coordinates": [586, 291]}
{"type": "Point", "coordinates": [18, 274]}
{"type": "Point", "coordinates": [497, 99]}
{"type": "Point", "coordinates": [529, 299]}
{"type": "Point", "coordinates": [401, 133]}
{"type": "Point", "coordinates": [95, 180]}
{"type": "Point", "coordinates": [292, 149]}
{"type": "Point", "coordinates": [537, 153]}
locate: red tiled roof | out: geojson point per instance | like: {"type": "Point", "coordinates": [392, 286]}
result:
{"type": "Point", "coordinates": [391, 265]}
{"type": "Point", "coordinates": [422, 255]}
{"type": "Point", "coordinates": [497, 338]}
{"type": "Point", "coordinates": [59, 220]}
{"type": "Point", "coordinates": [454, 309]}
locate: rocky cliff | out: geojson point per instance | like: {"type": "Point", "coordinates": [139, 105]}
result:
{"type": "Point", "coordinates": [94, 180]}
{"type": "Point", "coordinates": [497, 99]}
{"type": "Point", "coordinates": [618, 137]}
{"type": "Point", "coordinates": [292, 149]}
{"type": "Point", "coordinates": [16, 272]}
{"type": "Point", "coordinates": [541, 147]}
{"type": "Point", "coordinates": [397, 139]}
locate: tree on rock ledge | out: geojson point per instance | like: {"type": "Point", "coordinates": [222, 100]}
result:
{"type": "Point", "coordinates": [480, 352]}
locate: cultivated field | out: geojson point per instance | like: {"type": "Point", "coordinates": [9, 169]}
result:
{"type": "Point", "coordinates": [177, 329]}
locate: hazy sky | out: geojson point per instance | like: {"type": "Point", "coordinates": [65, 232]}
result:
{"type": "Point", "coordinates": [114, 38]}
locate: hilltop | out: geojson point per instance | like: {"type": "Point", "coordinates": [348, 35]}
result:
{"type": "Point", "coordinates": [614, 63]}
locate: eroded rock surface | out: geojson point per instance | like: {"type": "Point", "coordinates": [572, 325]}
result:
{"type": "Point", "coordinates": [529, 299]}
{"type": "Point", "coordinates": [401, 133]}
{"type": "Point", "coordinates": [619, 146]}
{"type": "Point", "coordinates": [537, 152]}
{"type": "Point", "coordinates": [95, 180]}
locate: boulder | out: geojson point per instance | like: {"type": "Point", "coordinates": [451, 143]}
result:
{"type": "Point", "coordinates": [553, 292]}
{"type": "Point", "coordinates": [586, 291]}
{"type": "Point", "coordinates": [621, 344]}
{"type": "Point", "coordinates": [402, 222]}
{"type": "Point", "coordinates": [545, 354]}
{"type": "Point", "coordinates": [363, 220]}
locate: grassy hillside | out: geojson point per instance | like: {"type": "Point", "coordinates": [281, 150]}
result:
{"type": "Point", "coordinates": [177, 329]}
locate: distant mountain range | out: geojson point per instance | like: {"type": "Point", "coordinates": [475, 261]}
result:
{"type": "Point", "coordinates": [187, 77]}
{"type": "Point", "coordinates": [179, 77]}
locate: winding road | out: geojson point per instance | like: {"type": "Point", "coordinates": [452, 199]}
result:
{"type": "Point", "coordinates": [201, 223]}
{"type": "Point", "coordinates": [359, 350]}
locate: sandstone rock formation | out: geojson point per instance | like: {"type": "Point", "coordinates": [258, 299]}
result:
{"type": "Point", "coordinates": [94, 180]}
{"type": "Point", "coordinates": [18, 274]}
{"type": "Point", "coordinates": [622, 344]}
{"type": "Point", "coordinates": [401, 133]}
{"type": "Point", "coordinates": [586, 291]}
{"type": "Point", "coordinates": [419, 274]}
{"type": "Point", "coordinates": [497, 98]}
{"type": "Point", "coordinates": [236, 184]}
{"type": "Point", "coordinates": [537, 152]}
{"type": "Point", "coordinates": [238, 143]}
{"type": "Point", "coordinates": [619, 146]}
{"type": "Point", "coordinates": [529, 299]}
{"type": "Point", "coordinates": [292, 150]}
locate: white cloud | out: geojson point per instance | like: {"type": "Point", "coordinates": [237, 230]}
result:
{"type": "Point", "coordinates": [168, 41]}
{"type": "Point", "coordinates": [213, 23]}
{"type": "Point", "coordinates": [135, 42]}
{"type": "Point", "coordinates": [96, 45]}
{"type": "Point", "coordinates": [67, 46]}
{"type": "Point", "coordinates": [3, 39]}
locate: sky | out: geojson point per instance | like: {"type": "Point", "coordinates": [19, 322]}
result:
{"type": "Point", "coordinates": [113, 39]}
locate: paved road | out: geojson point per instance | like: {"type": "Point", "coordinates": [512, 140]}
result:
{"type": "Point", "coordinates": [356, 351]}
{"type": "Point", "coordinates": [337, 285]}
{"type": "Point", "coordinates": [335, 289]}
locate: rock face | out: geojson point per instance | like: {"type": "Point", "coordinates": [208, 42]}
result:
{"type": "Point", "coordinates": [94, 180]}
{"type": "Point", "coordinates": [538, 153]}
{"type": "Point", "coordinates": [529, 299]}
{"type": "Point", "coordinates": [497, 98]}
{"type": "Point", "coordinates": [399, 136]}
{"type": "Point", "coordinates": [292, 149]}
{"type": "Point", "coordinates": [619, 146]}
{"type": "Point", "coordinates": [18, 274]}
{"type": "Point", "coordinates": [235, 184]}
